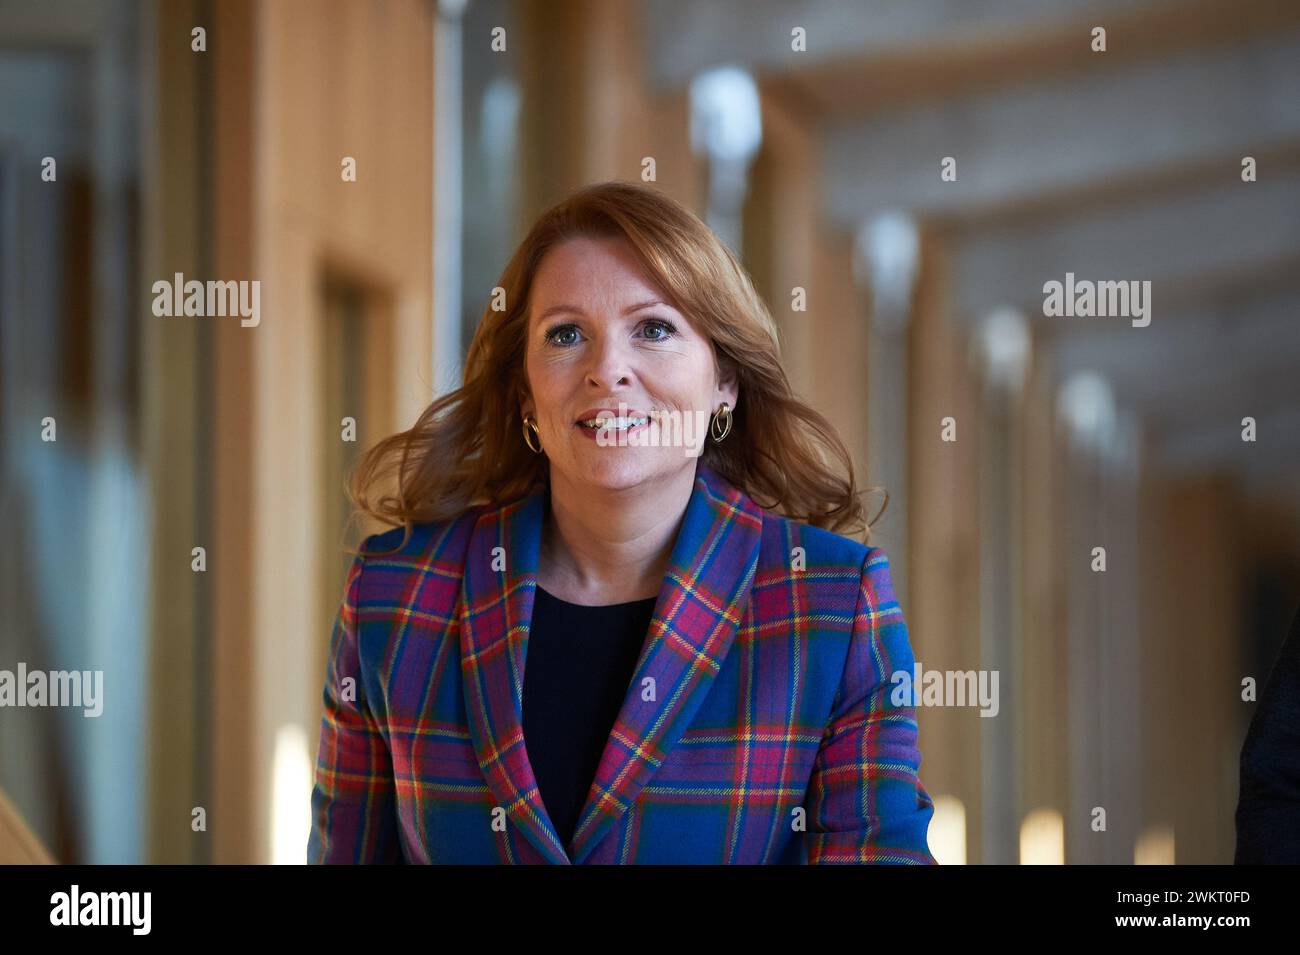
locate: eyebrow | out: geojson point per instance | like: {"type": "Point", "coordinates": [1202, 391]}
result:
{"type": "Point", "coordinates": [575, 310]}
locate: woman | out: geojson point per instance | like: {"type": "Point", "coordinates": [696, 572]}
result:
{"type": "Point", "coordinates": [588, 642]}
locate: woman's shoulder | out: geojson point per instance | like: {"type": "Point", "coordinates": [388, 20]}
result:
{"type": "Point", "coordinates": [420, 540]}
{"type": "Point", "coordinates": [786, 539]}
{"type": "Point", "coordinates": [840, 570]}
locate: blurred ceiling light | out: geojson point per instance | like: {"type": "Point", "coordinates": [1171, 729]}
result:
{"type": "Point", "coordinates": [292, 779]}
{"type": "Point", "coordinates": [1127, 450]}
{"type": "Point", "coordinates": [947, 835]}
{"type": "Point", "coordinates": [1155, 846]}
{"type": "Point", "coordinates": [726, 121]}
{"type": "Point", "coordinates": [1042, 838]}
{"type": "Point", "coordinates": [1087, 405]}
{"type": "Point", "coordinates": [499, 119]}
{"type": "Point", "coordinates": [727, 129]}
{"type": "Point", "coordinates": [1004, 344]}
{"type": "Point", "coordinates": [886, 257]}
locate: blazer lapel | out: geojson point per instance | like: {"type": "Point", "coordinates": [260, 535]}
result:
{"type": "Point", "coordinates": [703, 597]}
{"type": "Point", "coordinates": [496, 607]}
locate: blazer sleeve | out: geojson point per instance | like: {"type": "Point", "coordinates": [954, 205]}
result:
{"type": "Point", "coordinates": [353, 800]}
{"type": "Point", "coordinates": [866, 803]}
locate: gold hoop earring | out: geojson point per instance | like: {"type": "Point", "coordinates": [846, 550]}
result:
{"type": "Point", "coordinates": [530, 424]}
{"type": "Point", "coordinates": [724, 414]}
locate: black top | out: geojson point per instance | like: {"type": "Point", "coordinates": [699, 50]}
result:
{"type": "Point", "coordinates": [577, 668]}
{"type": "Point", "coordinates": [1268, 802]}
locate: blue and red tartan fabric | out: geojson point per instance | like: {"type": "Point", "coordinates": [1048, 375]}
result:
{"type": "Point", "coordinates": [758, 726]}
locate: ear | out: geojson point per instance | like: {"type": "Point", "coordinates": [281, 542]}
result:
{"type": "Point", "coordinates": [728, 389]}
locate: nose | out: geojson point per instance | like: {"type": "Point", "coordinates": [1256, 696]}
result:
{"type": "Point", "coordinates": [611, 362]}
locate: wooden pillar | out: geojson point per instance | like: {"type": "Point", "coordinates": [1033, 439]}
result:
{"type": "Point", "coordinates": [230, 696]}
{"type": "Point", "coordinates": [197, 413]}
{"type": "Point", "coordinates": [1042, 736]}
{"type": "Point", "coordinates": [944, 533]}
{"type": "Point", "coordinates": [1192, 615]}
{"type": "Point", "coordinates": [175, 432]}
{"type": "Point", "coordinates": [1120, 704]}
{"type": "Point", "coordinates": [1004, 343]}
{"type": "Point", "coordinates": [1085, 591]}
{"type": "Point", "coordinates": [337, 59]}
{"type": "Point", "coordinates": [1103, 574]}
{"type": "Point", "coordinates": [788, 246]}
{"type": "Point", "coordinates": [587, 115]}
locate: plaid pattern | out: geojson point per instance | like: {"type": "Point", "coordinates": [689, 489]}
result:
{"type": "Point", "coordinates": [758, 727]}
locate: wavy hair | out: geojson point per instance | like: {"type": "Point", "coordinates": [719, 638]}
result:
{"type": "Point", "coordinates": [467, 448]}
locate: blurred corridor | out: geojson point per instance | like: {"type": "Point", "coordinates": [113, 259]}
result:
{"type": "Point", "coordinates": [1099, 501]}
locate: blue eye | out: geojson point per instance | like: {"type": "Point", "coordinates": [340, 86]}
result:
{"type": "Point", "coordinates": [669, 330]}
{"type": "Point", "coordinates": [560, 329]}
{"type": "Point", "coordinates": [665, 331]}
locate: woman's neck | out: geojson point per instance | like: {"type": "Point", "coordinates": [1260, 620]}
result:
{"type": "Point", "coordinates": [604, 547]}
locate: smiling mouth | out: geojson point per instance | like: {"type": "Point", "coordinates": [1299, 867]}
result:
{"type": "Point", "coordinates": [614, 423]}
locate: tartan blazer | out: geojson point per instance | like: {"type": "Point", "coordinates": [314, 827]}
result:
{"type": "Point", "coordinates": [758, 726]}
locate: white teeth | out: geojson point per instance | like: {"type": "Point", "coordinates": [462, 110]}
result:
{"type": "Point", "coordinates": [614, 424]}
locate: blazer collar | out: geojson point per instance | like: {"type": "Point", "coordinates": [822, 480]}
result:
{"type": "Point", "coordinates": [703, 598]}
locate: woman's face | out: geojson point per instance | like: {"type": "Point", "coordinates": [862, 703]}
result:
{"type": "Point", "coordinates": [600, 336]}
